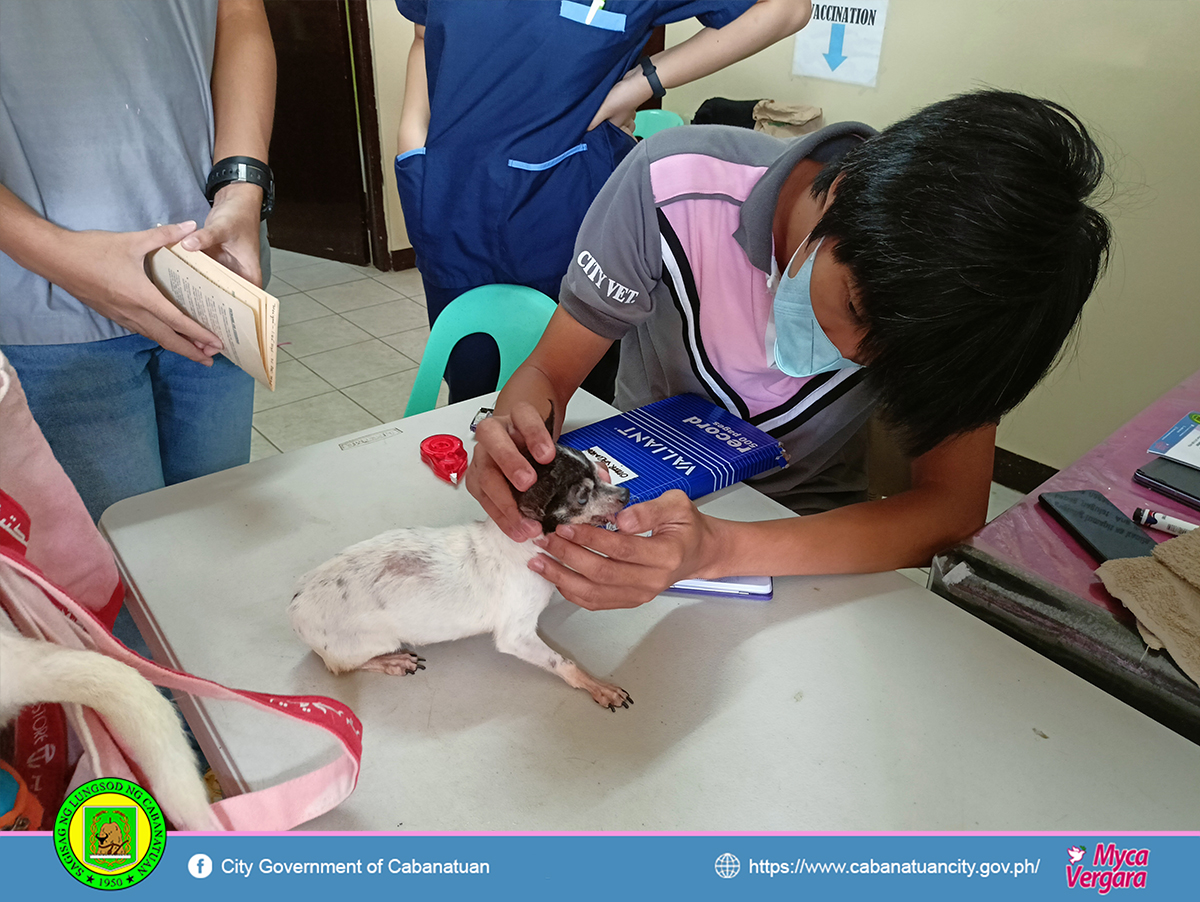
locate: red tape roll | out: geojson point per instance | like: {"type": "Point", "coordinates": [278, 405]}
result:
{"type": "Point", "coordinates": [446, 456]}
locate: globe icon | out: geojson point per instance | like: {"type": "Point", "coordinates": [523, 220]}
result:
{"type": "Point", "coordinates": [728, 865]}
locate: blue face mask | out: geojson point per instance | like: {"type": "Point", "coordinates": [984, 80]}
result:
{"type": "Point", "coordinates": [801, 346]}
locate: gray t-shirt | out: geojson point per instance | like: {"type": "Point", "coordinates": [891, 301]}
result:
{"type": "Point", "coordinates": [673, 258]}
{"type": "Point", "coordinates": [106, 122]}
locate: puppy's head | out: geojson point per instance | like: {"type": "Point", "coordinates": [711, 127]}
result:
{"type": "Point", "coordinates": [570, 490]}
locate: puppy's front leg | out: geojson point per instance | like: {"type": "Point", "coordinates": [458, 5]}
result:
{"type": "Point", "coordinates": [529, 647]}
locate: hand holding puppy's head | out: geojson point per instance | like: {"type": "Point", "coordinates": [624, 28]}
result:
{"type": "Point", "coordinates": [570, 489]}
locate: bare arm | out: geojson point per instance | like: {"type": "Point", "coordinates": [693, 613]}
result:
{"type": "Point", "coordinates": [243, 80]}
{"type": "Point", "coordinates": [544, 382]}
{"type": "Point", "coordinates": [243, 93]}
{"type": "Point", "coordinates": [948, 502]}
{"type": "Point", "coordinates": [706, 52]}
{"type": "Point", "coordinates": [414, 116]}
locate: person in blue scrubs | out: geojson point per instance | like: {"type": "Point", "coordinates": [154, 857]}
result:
{"type": "Point", "coordinates": [516, 112]}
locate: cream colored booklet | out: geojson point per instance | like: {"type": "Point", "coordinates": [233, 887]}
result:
{"type": "Point", "coordinates": [242, 315]}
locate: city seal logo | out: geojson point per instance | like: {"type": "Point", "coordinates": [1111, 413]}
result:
{"type": "Point", "coordinates": [110, 834]}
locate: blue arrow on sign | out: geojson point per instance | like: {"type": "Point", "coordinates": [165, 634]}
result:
{"type": "Point", "coordinates": [837, 34]}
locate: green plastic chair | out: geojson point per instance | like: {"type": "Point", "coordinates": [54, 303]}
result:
{"type": "Point", "coordinates": [514, 315]}
{"type": "Point", "coordinates": [651, 122]}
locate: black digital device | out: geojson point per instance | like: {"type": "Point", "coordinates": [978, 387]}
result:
{"type": "Point", "coordinates": [1175, 480]}
{"type": "Point", "coordinates": [1098, 524]}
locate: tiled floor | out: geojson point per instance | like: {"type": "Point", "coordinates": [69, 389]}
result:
{"type": "Point", "coordinates": [350, 340]}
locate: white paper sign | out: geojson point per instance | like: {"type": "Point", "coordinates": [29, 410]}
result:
{"type": "Point", "coordinates": [841, 42]}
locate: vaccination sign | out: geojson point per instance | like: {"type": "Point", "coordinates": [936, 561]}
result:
{"type": "Point", "coordinates": [841, 42]}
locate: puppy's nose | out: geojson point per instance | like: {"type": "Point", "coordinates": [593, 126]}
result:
{"type": "Point", "coordinates": [623, 494]}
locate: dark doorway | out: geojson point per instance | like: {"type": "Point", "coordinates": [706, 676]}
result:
{"type": "Point", "coordinates": [325, 128]}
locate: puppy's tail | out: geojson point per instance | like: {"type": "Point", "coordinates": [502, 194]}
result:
{"type": "Point", "coordinates": [145, 723]}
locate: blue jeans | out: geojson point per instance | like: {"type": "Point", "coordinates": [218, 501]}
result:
{"type": "Point", "coordinates": [124, 416]}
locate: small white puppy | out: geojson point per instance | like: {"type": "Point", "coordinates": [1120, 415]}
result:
{"type": "Point", "coordinates": [421, 585]}
{"type": "Point", "coordinates": [145, 723]}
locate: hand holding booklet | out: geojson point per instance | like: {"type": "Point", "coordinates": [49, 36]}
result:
{"type": "Point", "coordinates": [242, 315]}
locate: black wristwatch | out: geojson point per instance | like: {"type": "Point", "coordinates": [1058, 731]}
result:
{"type": "Point", "coordinates": [243, 169]}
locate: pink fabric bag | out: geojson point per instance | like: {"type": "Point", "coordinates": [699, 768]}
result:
{"type": "Point", "coordinates": [59, 582]}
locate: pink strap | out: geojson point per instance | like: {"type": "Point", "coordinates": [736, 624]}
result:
{"type": "Point", "coordinates": [67, 559]}
{"type": "Point", "coordinates": [279, 807]}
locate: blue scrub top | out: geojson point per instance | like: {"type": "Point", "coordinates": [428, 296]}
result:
{"type": "Point", "coordinates": [509, 169]}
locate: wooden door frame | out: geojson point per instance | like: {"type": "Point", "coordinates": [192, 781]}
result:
{"type": "Point", "coordinates": [368, 119]}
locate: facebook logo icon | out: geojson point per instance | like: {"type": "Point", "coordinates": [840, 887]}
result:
{"type": "Point", "coordinates": [200, 866]}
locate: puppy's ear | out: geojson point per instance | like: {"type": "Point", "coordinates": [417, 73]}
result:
{"type": "Point", "coordinates": [534, 501]}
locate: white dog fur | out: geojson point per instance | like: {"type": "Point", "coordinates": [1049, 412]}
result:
{"type": "Point", "coordinates": [422, 585]}
{"type": "Point", "coordinates": [145, 724]}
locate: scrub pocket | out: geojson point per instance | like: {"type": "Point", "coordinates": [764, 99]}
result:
{"type": "Point", "coordinates": [578, 12]}
{"type": "Point", "coordinates": [619, 141]}
{"type": "Point", "coordinates": [410, 185]}
{"type": "Point", "coordinates": [547, 164]}
{"type": "Point", "coordinates": [541, 201]}
{"type": "Point", "coordinates": [545, 202]}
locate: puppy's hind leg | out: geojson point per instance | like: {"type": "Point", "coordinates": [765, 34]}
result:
{"type": "Point", "coordinates": [398, 663]}
{"type": "Point", "coordinates": [529, 647]}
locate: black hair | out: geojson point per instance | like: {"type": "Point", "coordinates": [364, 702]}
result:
{"type": "Point", "coordinates": [972, 247]}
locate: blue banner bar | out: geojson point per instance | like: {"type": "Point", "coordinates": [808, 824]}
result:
{"type": "Point", "coordinates": [300, 866]}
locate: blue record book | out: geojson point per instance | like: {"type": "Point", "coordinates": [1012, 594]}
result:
{"type": "Point", "coordinates": [683, 443]}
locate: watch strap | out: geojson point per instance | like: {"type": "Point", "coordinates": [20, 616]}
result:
{"type": "Point", "coordinates": [651, 74]}
{"type": "Point", "coordinates": [242, 169]}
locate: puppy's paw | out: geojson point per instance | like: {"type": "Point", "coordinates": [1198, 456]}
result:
{"type": "Point", "coordinates": [610, 696]}
{"type": "Point", "coordinates": [605, 694]}
{"type": "Point", "coordinates": [398, 663]}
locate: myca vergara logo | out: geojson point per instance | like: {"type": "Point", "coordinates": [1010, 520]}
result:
{"type": "Point", "coordinates": [1110, 868]}
{"type": "Point", "coordinates": [110, 834]}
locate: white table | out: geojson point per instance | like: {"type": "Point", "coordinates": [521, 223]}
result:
{"type": "Point", "coordinates": [846, 703]}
